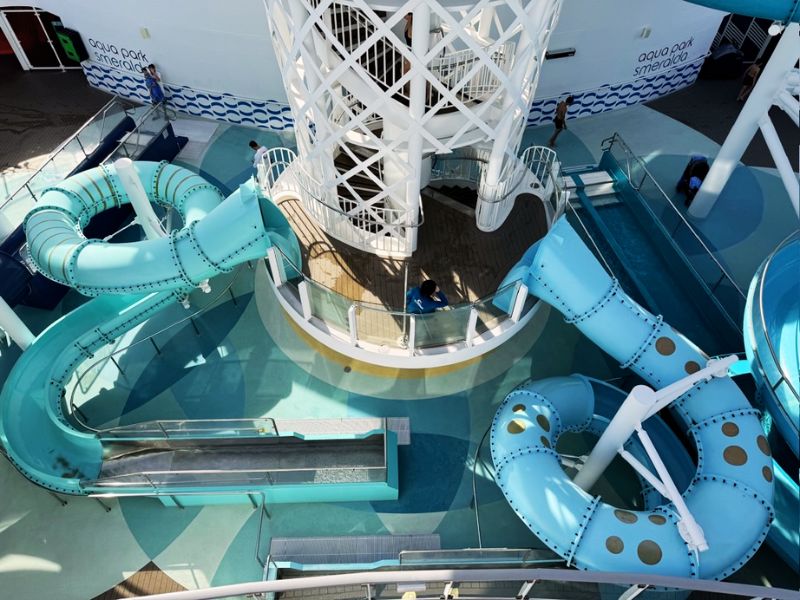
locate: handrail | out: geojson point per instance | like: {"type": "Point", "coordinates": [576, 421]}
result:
{"type": "Point", "coordinates": [118, 481]}
{"type": "Point", "coordinates": [137, 130]}
{"type": "Point", "coordinates": [393, 311]}
{"type": "Point", "coordinates": [76, 414]}
{"type": "Point", "coordinates": [163, 425]}
{"type": "Point", "coordinates": [784, 376]}
{"type": "Point", "coordinates": [302, 177]}
{"type": "Point", "coordinates": [526, 577]}
{"type": "Point", "coordinates": [106, 107]}
{"type": "Point", "coordinates": [607, 146]}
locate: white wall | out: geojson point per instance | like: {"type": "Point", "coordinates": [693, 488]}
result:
{"type": "Point", "coordinates": [215, 45]}
{"type": "Point", "coordinates": [224, 46]}
{"type": "Point", "coordinates": [607, 37]}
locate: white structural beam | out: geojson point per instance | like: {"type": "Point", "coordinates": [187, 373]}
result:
{"type": "Point", "coordinates": [145, 215]}
{"type": "Point", "coordinates": [14, 326]}
{"type": "Point", "coordinates": [788, 176]}
{"type": "Point", "coordinates": [768, 88]}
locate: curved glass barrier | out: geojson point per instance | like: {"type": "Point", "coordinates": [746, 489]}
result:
{"type": "Point", "coordinates": [380, 329]}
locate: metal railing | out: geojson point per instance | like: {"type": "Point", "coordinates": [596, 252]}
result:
{"type": "Point", "coordinates": [784, 376]}
{"type": "Point", "coordinates": [368, 225]}
{"type": "Point", "coordinates": [520, 557]}
{"type": "Point", "coordinates": [380, 329]}
{"type": "Point", "coordinates": [82, 383]}
{"type": "Point", "coordinates": [170, 429]}
{"type": "Point", "coordinates": [661, 207]}
{"type": "Point", "coordinates": [68, 155]}
{"type": "Point", "coordinates": [467, 584]}
{"type": "Point", "coordinates": [175, 481]}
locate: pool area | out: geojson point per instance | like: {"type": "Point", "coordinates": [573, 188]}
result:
{"type": "Point", "coordinates": [242, 357]}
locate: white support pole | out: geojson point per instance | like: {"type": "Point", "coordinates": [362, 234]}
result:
{"type": "Point", "coordinates": [788, 176]}
{"type": "Point", "coordinates": [690, 530]}
{"type": "Point", "coordinates": [770, 84]}
{"type": "Point", "coordinates": [145, 215]}
{"type": "Point", "coordinates": [412, 334]}
{"type": "Point", "coordinates": [14, 326]}
{"type": "Point", "coordinates": [420, 43]}
{"type": "Point", "coordinates": [632, 412]}
{"type": "Point", "coordinates": [485, 24]}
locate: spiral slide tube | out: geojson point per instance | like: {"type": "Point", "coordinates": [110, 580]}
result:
{"type": "Point", "coordinates": [133, 282]}
{"type": "Point", "coordinates": [731, 492]}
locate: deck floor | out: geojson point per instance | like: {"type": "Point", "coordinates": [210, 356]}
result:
{"type": "Point", "coordinates": [468, 264]}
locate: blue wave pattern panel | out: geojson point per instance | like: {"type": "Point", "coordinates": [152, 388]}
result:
{"type": "Point", "coordinates": [612, 97]}
{"type": "Point", "coordinates": [265, 114]}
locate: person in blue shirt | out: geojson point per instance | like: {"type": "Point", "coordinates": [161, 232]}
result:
{"type": "Point", "coordinates": [152, 80]}
{"type": "Point", "coordinates": [425, 299]}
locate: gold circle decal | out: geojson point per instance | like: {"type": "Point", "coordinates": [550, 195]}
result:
{"type": "Point", "coordinates": [516, 426]}
{"type": "Point", "coordinates": [649, 552]}
{"type": "Point", "coordinates": [614, 544]}
{"type": "Point", "coordinates": [657, 519]}
{"type": "Point", "coordinates": [735, 455]}
{"type": "Point", "coordinates": [767, 473]}
{"type": "Point", "coordinates": [625, 516]}
{"type": "Point", "coordinates": [763, 445]}
{"type": "Point", "coordinates": [691, 367]}
{"type": "Point", "coordinates": [665, 346]}
{"type": "Point", "coordinates": [543, 422]}
{"type": "Point", "coordinates": [519, 408]}
{"type": "Point", "coordinates": [730, 429]}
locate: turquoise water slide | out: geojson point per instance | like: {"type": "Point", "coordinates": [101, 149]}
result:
{"type": "Point", "coordinates": [133, 281]}
{"type": "Point", "coordinates": [734, 478]}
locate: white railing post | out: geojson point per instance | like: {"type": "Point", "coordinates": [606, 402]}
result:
{"type": "Point", "coordinates": [472, 323]}
{"type": "Point", "coordinates": [276, 266]}
{"type": "Point", "coordinates": [412, 334]}
{"type": "Point", "coordinates": [352, 325]}
{"type": "Point", "coordinates": [305, 300]}
{"type": "Point", "coordinates": [519, 302]}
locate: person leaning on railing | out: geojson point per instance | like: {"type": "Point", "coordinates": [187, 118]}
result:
{"type": "Point", "coordinates": [425, 299]}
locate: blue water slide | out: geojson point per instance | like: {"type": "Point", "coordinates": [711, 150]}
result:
{"type": "Point", "coordinates": [132, 281]}
{"type": "Point", "coordinates": [733, 482]}
{"type": "Point", "coordinates": [785, 11]}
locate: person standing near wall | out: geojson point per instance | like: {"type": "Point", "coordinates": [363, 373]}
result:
{"type": "Point", "coordinates": [560, 119]}
{"type": "Point", "coordinates": [152, 79]}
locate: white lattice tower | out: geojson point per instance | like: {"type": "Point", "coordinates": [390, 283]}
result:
{"type": "Point", "coordinates": [370, 110]}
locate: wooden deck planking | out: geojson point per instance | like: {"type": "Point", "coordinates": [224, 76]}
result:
{"type": "Point", "coordinates": [148, 580]}
{"type": "Point", "coordinates": [466, 263]}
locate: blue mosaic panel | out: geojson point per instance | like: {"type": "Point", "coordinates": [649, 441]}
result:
{"type": "Point", "coordinates": [612, 97]}
{"type": "Point", "coordinates": [264, 114]}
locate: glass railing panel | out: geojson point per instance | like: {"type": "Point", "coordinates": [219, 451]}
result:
{"type": "Point", "coordinates": [496, 308]}
{"type": "Point", "coordinates": [328, 306]}
{"type": "Point", "coordinates": [381, 327]}
{"type": "Point", "coordinates": [442, 327]}
{"type": "Point", "coordinates": [188, 429]}
{"type": "Point", "coordinates": [14, 210]}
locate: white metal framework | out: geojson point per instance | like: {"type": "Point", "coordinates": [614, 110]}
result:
{"type": "Point", "coordinates": [370, 109]}
{"type": "Point", "coordinates": [779, 85]}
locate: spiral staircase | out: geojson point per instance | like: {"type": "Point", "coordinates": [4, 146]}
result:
{"type": "Point", "coordinates": [370, 110]}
